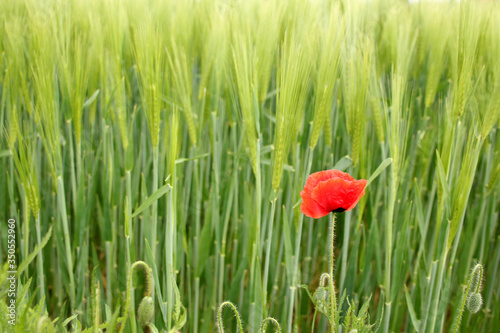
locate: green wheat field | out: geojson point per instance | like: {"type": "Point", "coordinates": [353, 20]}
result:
{"type": "Point", "coordinates": [152, 155]}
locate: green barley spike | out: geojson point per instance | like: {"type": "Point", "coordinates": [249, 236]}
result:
{"type": "Point", "coordinates": [121, 112]}
{"type": "Point", "coordinates": [319, 118]}
{"type": "Point", "coordinates": [377, 118]}
{"type": "Point", "coordinates": [181, 75]}
{"type": "Point", "coordinates": [356, 137]}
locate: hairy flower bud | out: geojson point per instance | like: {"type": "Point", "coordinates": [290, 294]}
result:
{"type": "Point", "coordinates": [145, 311]}
{"type": "Point", "coordinates": [474, 302]}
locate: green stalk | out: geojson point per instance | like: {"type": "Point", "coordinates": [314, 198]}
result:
{"type": "Point", "coordinates": [64, 218]}
{"type": "Point", "coordinates": [388, 249]}
{"type": "Point", "coordinates": [343, 267]}
{"type": "Point", "coordinates": [130, 234]}
{"type": "Point", "coordinates": [308, 258]}
{"type": "Point", "coordinates": [198, 176]}
{"type": "Point", "coordinates": [293, 287]}
{"type": "Point", "coordinates": [220, 274]}
{"type": "Point", "coordinates": [196, 303]}
{"type": "Point", "coordinates": [219, 259]}
{"type": "Point", "coordinates": [169, 251]}
{"type": "Point", "coordinates": [333, 298]}
{"type": "Point", "coordinates": [11, 191]}
{"type": "Point", "coordinates": [154, 210]}
{"type": "Point", "coordinates": [72, 163]}
{"type": "Point", "coordinates": [128, 243]}
{"type": "Point", "coordinates": [428, 300]}
{"type": "Point", "coordinates": [227, 215]}
{"type": "Point", "coordinates": [268, 247]}
{"type": "Point", "coordinates": [256, 248]}
{"type": "Point", "coordinates": [79, 169]}
{"type": "Point", "coordinates": [442, 266]}
{"type": "Point", "coordinates": [26, 231]}
{"type": "Point", "coordinates": [494, 271]}
{"type": "Point", "coordinates": [109, 271]}
{"type": "Point", "coordinates": [41, 276]}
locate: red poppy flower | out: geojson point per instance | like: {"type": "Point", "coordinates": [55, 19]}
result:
{"type": "Point", "coordinates": [330, 191]}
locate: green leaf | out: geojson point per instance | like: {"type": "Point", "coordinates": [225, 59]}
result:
{"type": "Point", "coordinates": [111, 327]}
{"type": "Point", "coordinates": [33, 254]}
{"type": "Point", "coordinates": [5, 153]}
{"type": "Point", "coordinates": [156, 280]}
{"type": "Point", "coordinates": [288, 246]}
{"type": "Point", "coordinates": [419, 211]}
{"type": "Point", "coordinates": [343, 164]}
{"type": "Point", "coordinates": [286, 167]}
{"type": "Point", "coordinates": [413, 316]}
{"type": "Point", "coordinates": [259, 308]}
{"type": "Point", "coordinates": [129, 155]}
{"type": "Point", "coordinates": [385, 163]}
{"type": "Point", "coordinates": [181, 160]}
{"type": "Point", "coordinates": [152, 328]}
{"type": "Point", "coordinates": [91, 99]}
{"type": "Point", "coordinates": [155, 196]}
{"type": "Point", "coordinates": [204, 249]}
{"type": "Point", "coordinates": [127, 217]}
{"type": "Point", "coordinates": [70, 319]}
{"type": "Point", "coordinates": [442, 176]}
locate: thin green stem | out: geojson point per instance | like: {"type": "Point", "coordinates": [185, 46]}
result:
{"type": "Point", "coordinates": [293, 286]}
{"type": "Point", "coordinates": [222, 266]}
{"type": "Point", "coordinates": [79, 169]}
{"type": "Point", "coordinates": [11, 188]}
{"type": "Point", "coordinates": [41, 275]}
{"type": "Point", "coordinates": [198, 183]}
{"type": "Point", "coordinates": [169, 258]}
{"type": "Point", "coordinates": [333, 297]}
{"type": "Point", "coordinates": [265, 323]}
{"type": "Point", "coordinates": [128, 242]}
{"type": "Point", "coordinates": [343, 265]}
{"type": "Point", "coordinates": [442, 268]}
{"type": "Point", "coordinates": [256, 246]}
{"type": "Point", "coordinates": [154, 210]}
{"type": "Point", "coordinates": [64, 219]}
{"type": "Point", "coordinates": [220, 324]}
{"type": "Point", "coordinates": [196, 303]}
{"type": "Point", "coordinates": [72, 163]}
{"type": "Point", "coordinates": [109, 271]}
{"type": "Point", "coordinates": [26, 227]}
{"type": "Point", "coordinates": [268, 247]}
{"type": "Point", "coordinates": [388, 249]}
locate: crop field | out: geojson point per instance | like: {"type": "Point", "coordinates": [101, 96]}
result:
{"type": "Point", "coordinates": [160, 162]}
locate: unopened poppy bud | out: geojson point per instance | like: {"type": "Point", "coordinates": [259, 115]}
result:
{"type": "Point", "coordinates": [321, 299]}
{"type": "Point", "coordinates": [320, 294]}
{"type": "Point", "coordinates": [474, 302]}
{"type": "Point", "coordinates": [145, 311]}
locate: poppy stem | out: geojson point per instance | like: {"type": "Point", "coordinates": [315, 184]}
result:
{"type": "Point", "coordinates": [333, 298]}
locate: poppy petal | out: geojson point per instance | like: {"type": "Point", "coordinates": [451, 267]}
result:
{"type": "Point", "coordinates": [357, 191]}
{"type": "Point", "coordinates": [338, 193]}
{"type": "Point", "coordinates": [314, 179]}
{"type": "Point", "coordinates": [311, 208]}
